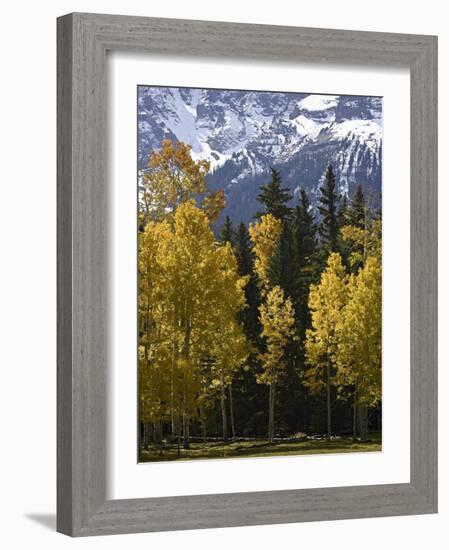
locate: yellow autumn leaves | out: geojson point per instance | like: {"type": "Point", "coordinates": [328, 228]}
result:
{"type": "Point", "coordinates": [173, 178]}
{"type": "Point", "coordinates": [192, 302]}
{"type": "Point", "coordinates": [344, 345]}
{"type": "Point", "coordinates": [190, 293]}
{"type": "Point", "coordinates": [277, 315]}
{"type": "Point", "coordinates": [264, 236]}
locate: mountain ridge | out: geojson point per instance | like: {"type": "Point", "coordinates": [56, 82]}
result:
{"type": "Point", "coordinates": [243, 133]}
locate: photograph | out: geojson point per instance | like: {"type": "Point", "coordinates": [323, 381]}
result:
{"type": "Point", "coordinates": [228, 257]}
{"type": "Point", "coordinates": [259, 273]}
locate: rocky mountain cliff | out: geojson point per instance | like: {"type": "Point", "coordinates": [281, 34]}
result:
{"type": "Point", "coordinates": [243, 133]}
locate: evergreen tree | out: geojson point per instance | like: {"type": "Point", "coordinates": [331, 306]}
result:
{"type": "Point", "coordinates": [282, 268]}
{"type": "Point", "coordinates": [352, 250]}
{"type": "Point", "coordinates": [227, 232]}
{"type": "Point", "coordinates": [293, 399]}
{"type": "Point", "coordinates": [306, 269]}
{"type": "Point", "coordinates": [357, 212]}
{"type": "Point", "coordinates": [275, 198]}
{"type": "Point", "coordinates": [327, 207]}
{"type": "Point", "coordinates": [243, 251]}
{"type": "Point", "coordinates": [343, 221]}
{"type": "Point", "coordinates": [245, 268]}
{"type": "Point", "coordinates": [378, 212]}
{"type": "Point", "coordinates": [304, 232]}
{"type": "Point", "coordinates": [343, 212]}
{"type": "Point", "coordinates": [277, 324]}
{"type": "Point", "coordinates": [248, 396]}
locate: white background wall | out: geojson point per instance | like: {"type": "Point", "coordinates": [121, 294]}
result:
{"type": "Point", "coordinates": [27, 272]}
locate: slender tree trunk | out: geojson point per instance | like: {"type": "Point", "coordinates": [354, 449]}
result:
{"type": "Point", "coordinates": [328, 400]}
{"type": "Point", "coordinates": [157, 431]}
{"type": "Point", "coordinates": [231, 407]}
{"type": "Point", "coordinates": [146, 435]}
{"type": "Point", "coordinates": [186, 413]}
{"type": "Point", "coordinates": [185, 431]}
{"type": "Point", "coordinates": [160, 426]}
{"type": "Point", "coordinates": [354, 414]}
{"type": "Point", "coordinates": [178, 439]}
{"type": "Point", "coordinates": [271, 396]}
{"type": "Point", "coordinates": [172, 381]}
{"type": "Point", "coordinates": [223, 413]}
{"type": "Point", "coordinates": [203, 424]}
{"type": "Point", "coordinates": [362, 421]}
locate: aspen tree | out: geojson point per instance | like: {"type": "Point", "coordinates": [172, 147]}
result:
{"type": "Point", "coordinates": [172, 178]}
{"type": "Point", "coordinates": [264, 235]}
{"type": "Point", "coordinates": [359, 351]}
{"type": "Point", "coordinates": [277, 319]}
{"type": "Point", "coordinates": [326, 301]}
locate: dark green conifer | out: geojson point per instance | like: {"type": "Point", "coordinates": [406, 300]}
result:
{"type": "Point", "coordinates": [227, 232]}
{"type": "Point", "coordinates": [328, 209]}
{"type": "Point", "coordinates": [275, 198]}
{"type": "Point", "coordinates": [343, 212]}
{"type": "Point", "coordinates": [245, 267]}
{"type": "Point", "coordinates": [282, 268]}
{"type": "Point", "coordinates": [304, 230]}
{"type": "Point", "coordinates": [357, 212]}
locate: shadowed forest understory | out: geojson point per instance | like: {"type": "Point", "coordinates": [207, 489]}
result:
{"type": "Point", "coordinates": [260, 339]}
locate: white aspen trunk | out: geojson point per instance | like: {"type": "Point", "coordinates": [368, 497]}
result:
{"type": "Point", "coordinates": [186, 415]}
{"type": "Point", "coordinates": [161, 435]}
{"type": "Point", "coordinates": [271, 396]}
{"type": "Point", "coordinates": [186, 431]}
{"type": "Point", "coordinates": [223, 413]}
{"type": "Point", "coordinates": [231, 407]}
{"type": "Point", "coordinates": [178, 439]}
{"type": "Point", "coordinates": [328, 400]}
{"type": "Point", "coordinates": [362, 421]}
{"type": "Point", "coordinates": [172, 380]}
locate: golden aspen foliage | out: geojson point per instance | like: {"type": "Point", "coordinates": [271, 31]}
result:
{"type": "Point", "coordinates": [190, 294]}
{"type": "Point", "coordinates": [277, 318]}
{"type": "Point", "coordinates": [326, 301]}
{"type": "Point", "coordinates": [359, 331]}
{"type": "Point", "coordinates": [154, 349]}
{"type": "Point", "coordinates": [213, 204]}
{"type": "Point", "coordinates": [367, 241]}
{"type": "Point", "coordinates": [173, 177]}
{"type": "Point", "coordinates": [264, 236]}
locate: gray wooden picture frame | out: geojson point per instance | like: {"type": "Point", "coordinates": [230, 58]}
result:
{"type": "Point", "coordinates": [83, 40]}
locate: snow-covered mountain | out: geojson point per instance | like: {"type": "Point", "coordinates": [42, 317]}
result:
{"type": "Point", "coordinates": [243, 133]}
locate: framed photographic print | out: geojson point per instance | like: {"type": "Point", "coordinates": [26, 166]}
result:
{"type": "Point", "coordinates": [246, 274]}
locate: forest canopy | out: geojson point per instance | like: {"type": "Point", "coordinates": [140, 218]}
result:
{"type": "Point", "coordinates": [256, 339]}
